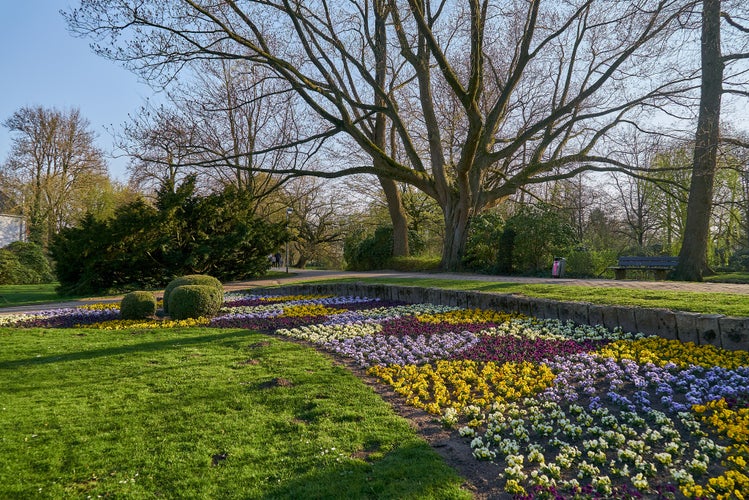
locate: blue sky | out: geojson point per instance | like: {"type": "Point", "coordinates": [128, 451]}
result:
{"type": "Point", "coordinates": [42, 64]}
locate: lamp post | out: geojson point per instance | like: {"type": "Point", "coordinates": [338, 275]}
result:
{"type": "Point", "coordinates": [288, 213]}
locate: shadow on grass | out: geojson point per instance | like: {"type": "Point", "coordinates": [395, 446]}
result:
{"type": "Point", "coordinates": [391, 476]}
{"type": "Point", "coordinates": [128, 349]}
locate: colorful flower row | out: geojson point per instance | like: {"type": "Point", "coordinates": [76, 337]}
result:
{"type": "Point", "coordinates": [567, 411]}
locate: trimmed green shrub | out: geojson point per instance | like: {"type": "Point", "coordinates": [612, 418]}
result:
{"type": "Point", "coordinates": [138, 305]}
{"type": "Point", "coordinates": [191, 279]}
{"type": "Point", "coordinates": [194, 301]}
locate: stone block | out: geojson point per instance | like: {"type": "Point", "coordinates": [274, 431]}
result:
{"type": "Point", "coordinates": [524, 305]}
{"type": "Point", "coordinates": [511, 303]}
{"type": "Point", "coordinates": [432, 295]}
{"type": "Point", "coordinates": [734, 333]}
{"type": "Point", "coordinates": [449, 298]}
{"type": "Point", "coordinates": [626, 319]}
{"type": "Point", "coordinates": [543, 309]}
{"type": "Point", "coordinates": [393, 294]}
{"type": "Point", "coordinates": [686, 327]}
{"type": "Point", "coordinates": [647, 321]}
{"type": "Point", "coordinates": [667, 323]}
{"type": "Point", "coordinates": [491, 302]}
{"type": "Point", "coordinates": [610, 317]}
{"type": "Point", "coordinates": [551, 309]}
{"type": "Point", "coordinates": [708, 329]}
{"type": "Point", "coordinates": [596, 314]}
{"type": "Point", "coordinates": [577, 312]}
{"type": "Point", "coordinates": [405, 294]}
{"type": "Point", "coordinates": [475, 300]}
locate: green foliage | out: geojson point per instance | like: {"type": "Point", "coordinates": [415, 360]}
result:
{"type": "Point", "coordinates": [190, 279]}
{"type": "Point", "coordinates": [143, 246]}
{"type": "Point", "coordinates": [586, 263]}
{"type": "Point", "coordinates": [24, 263]}
{"type": "Point", "coordinates": [540, 233]}
{"type": "Point", "coordinates": [195, 301]}
{"type": "Point", "coordinates": [11, 270]}
{"type": "Point", "coordinates": [372, 252]}
{"type": "Point", "coordinates": [526, 243]}
{"type": "Point", "coordinates": [484, 233]}
{"type": "Point", "coordinates": [363, 253]}
{"type": "Point", "coordinates": [739, 261]}
{"type": "Point", "coordinates": [32, 257]}
{"type": "Point", "coordinates": [108, 255]}
{"type": "Point", "coordinates": [138, 305]}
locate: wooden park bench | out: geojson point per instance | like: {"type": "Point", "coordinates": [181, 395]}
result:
{"type": "Point", "coordinates": [659, 266]}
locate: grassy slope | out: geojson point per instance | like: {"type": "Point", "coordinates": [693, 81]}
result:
{"type": "Point", "coordinates": [198, 413]}
{"type": "Point", "coordinates": [708, 303]}
{"type": "Point", "coordinates": [14, 295]}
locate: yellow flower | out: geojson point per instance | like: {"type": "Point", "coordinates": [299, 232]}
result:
{"type": "Point", "coordinates": [455, 384]}
{"type": "Point", "coordinates": [661, 351]}
{"type": "Point", "coordinates": [468, 316]}
{"type": "Point", "coordinates": [100, 306]}
{"type": "Point", "coordinates": [734, 425]}
{"type": "Point", "coordinates": [122, 324]}
{"type": "Point", "coordinates": [309, 310]}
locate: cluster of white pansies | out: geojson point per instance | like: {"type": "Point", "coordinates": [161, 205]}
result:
{"type": "Point", "coordinates": [540, 442]}
{"type": "Point", "coordinates": [406, 310]}
{"type": "Point", "coordinates": [320, 334]}
{"type": "Point", "coordinates": [261, 310]}
{"type": "Point", "coordinates": [554, 329]}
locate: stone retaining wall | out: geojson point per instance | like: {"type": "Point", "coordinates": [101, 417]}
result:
{"type": "Point", "coordinates": [715, 329]}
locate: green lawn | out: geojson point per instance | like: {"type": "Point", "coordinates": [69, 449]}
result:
{"type": "Point", "coordinates": [737, 277]}
{"type": "Point", "coordinates": [198, 413]}
{"type": "Point", "coordinates": [16, 295]}
{"type": "Point", "coordinates": [701, 302]}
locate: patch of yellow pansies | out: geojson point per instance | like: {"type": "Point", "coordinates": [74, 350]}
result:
{"type": "Point", "coordinates": [100, 306]}
{"type": "Point", "coordinates": [734, 425]}
{"type": "Point", "coordinates": [468, 316]}
{"type": "Point", "coordinates": [661, 351]}
{"type": "Point", "coordinates": [309, 310]}
{"type": "Point", "coordinates": [456, 384]}
{"type": "Point", "coordinates": [121, 324]}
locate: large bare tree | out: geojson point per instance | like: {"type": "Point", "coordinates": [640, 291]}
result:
{"type": "Point", "coordinates": [54, 161]}
{"type": "Point", "coordinates": [482, 97]}
{"type": "Point", "coordinates": [693, 255]}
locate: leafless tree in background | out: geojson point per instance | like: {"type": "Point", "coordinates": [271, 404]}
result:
{"type": "Point", "coordinates": [483, 97]}
{"type": "Point", "coordinates": [54, 162]}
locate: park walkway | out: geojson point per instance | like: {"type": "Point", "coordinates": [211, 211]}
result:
{"type": "Point", "coordinates": [303, 275]}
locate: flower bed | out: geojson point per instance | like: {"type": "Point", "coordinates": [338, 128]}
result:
{"type": "Point", "coordinates": [566, 411]}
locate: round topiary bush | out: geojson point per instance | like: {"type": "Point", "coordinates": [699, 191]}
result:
{"type": "Point", "coordinates": [138, 305]}
{"type": "Point", "coordinates": [194, 301]}
{"type": "Point", "coordinates": [190, 279]}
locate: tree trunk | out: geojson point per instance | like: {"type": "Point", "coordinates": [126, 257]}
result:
{"type": "Point", "coordinates": [397, 216]}
{"type": "Point", "coordinates": [456, 231]}
{"type": "Point", "coordinates": [392, 195]}
{"type": "Point", "coordinates": [693, 256]}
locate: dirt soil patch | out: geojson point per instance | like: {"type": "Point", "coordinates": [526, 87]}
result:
{"type": "Point", "coordinates": [455, 450]}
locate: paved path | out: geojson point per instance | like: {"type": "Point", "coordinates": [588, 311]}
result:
{"type": "Point", "coordinates": [302, 275]}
